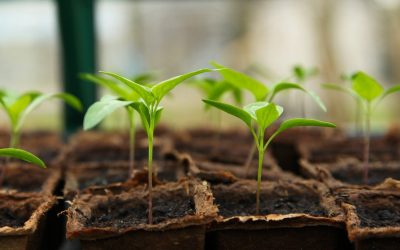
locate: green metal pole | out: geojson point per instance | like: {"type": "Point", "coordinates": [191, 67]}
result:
{"type": "Point", "coordinates": [78, 48]}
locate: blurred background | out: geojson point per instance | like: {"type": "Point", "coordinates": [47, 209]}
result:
{"type": "Point", "coordinates": [263, 37]}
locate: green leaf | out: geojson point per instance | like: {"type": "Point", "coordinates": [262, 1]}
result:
{"type": "Point", "coordinates": [100, 110]}
{"type": "Point", "coordinates": [301, 122]}
{"type": "Point", "coordinates": [22, 155]}
{"type": "Point", "coordinates": [340, 88]}
{"type": "Point", "coordinates": [120, 90]}
{"type": "Point", "coordinates": [253, 107]}
{"type": "Point", "coordinates": [302, 73]}
{"type": "Point", "coordinates": [235, 111]}
{"type": "Point", "coordinates": [267, 115]}
{"type": "Point", "coordinates": [243, 81]}
{"type": "Point", "coordinates": [288, 85]}
{"type": "Point", "coordinates": [161, 89]}
{"type": "Point", "coordinates": [144, 78]}
{"type": "Point", "coordinates": [143, 91]}
{"type": "Point", "coordinates": [157, 117]}
{"type": "Point", "coordinates": [71, 100]}
{"type": "Point", "coordinates": [391, 90]}
{"type": "Point", "coordinates": [366, 87]}
{"type": "Point", "coordinates": [20, 104]}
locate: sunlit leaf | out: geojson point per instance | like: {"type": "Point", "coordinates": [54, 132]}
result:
{"type": "Point", "coordinates": [243, 81]}
{"type": "Point", "coordinates": [22, 155]}
{"type": "Point", "coordinates": [366, 86]}
{"type": "Point", "coordinates": [100, 110]}
{"type": "Point", "coordinates": [267, 115]}
{"type": "Point", "coordinates": [230, 109]}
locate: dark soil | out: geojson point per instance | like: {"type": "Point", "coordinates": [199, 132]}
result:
{"type": "Point", "coordinates": [121, 214]}
{"type": "Point", "coordinates": [381, 150]}
{"type": "Point", "coordinates": [24, 178]}
{"type": "Point", "coordinates": [355, 176]}
{"type": "Point", "coordinates": [242, 202]}
{"type": "Point", "coordinates": [14, 212]}
{"type": "Point", "coordinates": [377, 210]}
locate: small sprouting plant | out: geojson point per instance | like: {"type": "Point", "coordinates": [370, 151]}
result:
{"type": "Point", "coordinates": [261, 92]}
{"type": "Point", "coordinates": [258, 117]}
{"type": "Point", "coordinates": [149, 110]}
{"type": "Point", "coordinates": [19, 154]}
{"type": "Point", "coordinates": [17, 108]}
{"type": "Point", "coordinates": [369, 92]}
{"type": "Point", "coordinates": [124, 97]}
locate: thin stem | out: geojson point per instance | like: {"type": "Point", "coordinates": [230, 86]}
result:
{"type": "Point", "coordinates": [14, 140]}
{"type": "Point", "coordinates": [150, 136]}
{"type": "Point", "coordinates": [132, 132]}
{"type": "Point", "coordinates": [259, 172]}
{"type": "Point", "coordinates": [367, 142]}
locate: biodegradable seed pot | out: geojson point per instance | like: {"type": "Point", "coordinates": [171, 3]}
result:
{"type": "Point", "coordinates": [119, 221]}
{"type": "Point", "coordinates": [293, 215]}
{"type": "Point", "coordinates": [372, 215]}
{"type": "Point", "coordinates": [22, 220]}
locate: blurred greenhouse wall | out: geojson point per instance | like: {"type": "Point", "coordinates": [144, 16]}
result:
{"type": "Point", "coordinates": [172, 37]}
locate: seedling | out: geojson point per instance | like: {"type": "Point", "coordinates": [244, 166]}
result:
{"type": "Point", "coordinates": [261, 92]}
{"type": "Point", "coordinates": [124, 98]}
{"type": "Point", "coordinates": [19, 154]}
{"type": "Point", "coordinates": [17, 108]}
{"type": "Point", "coordinates": [262, 115]}
{"type": "Point", "coordinates": [149, 110]}
{"type": "Point", "coordinates": [370, 93]}
{"type": "Point", "coordinates": [348, 90]}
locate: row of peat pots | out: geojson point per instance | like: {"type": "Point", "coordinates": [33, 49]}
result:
{"type": "Point", "coordinates": [312, 194]}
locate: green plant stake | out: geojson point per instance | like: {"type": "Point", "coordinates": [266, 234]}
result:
{"type": "Point", "coordinates": [19, 154]}
{"type": "Point", "coordinates": [370, 93]}
{"type": "Point", "coordinates": [261, 115]}
{"type": "Point", "coordinates": [150, 110]}
{"type": "Point", "coordinates": [17, 108]}
{"type": "Point", "coordinates": [124, 98]}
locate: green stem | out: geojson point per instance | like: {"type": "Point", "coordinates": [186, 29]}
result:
{"type": "Point", "coordinates": [14, 140]}
{"type": "Point", "coordinates": [132, 132]}
{"type": "Point", "coordinates": [367, 143]}
{"type": "Point", "coordinates": [259, 172]}
{"type": "Point", "coordinates": [150, 170]}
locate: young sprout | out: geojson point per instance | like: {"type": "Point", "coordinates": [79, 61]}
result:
{"type": "Point", "coordinates": [261, 92]}
{"type": "Point", "coordinates": [19, 154]}
{"type": "Point", "coordinates": [17, 108]}
{"type": "Point", "coordinates": [261, 115]}
{"type": "Point", "coordinates": [370, 93]}
{"type": "Point", "coordinates": [149, 110]}
{"type": "Point", "coordinates": [124, 98]}
{"type": "Point", "coordinates": [348, 90]}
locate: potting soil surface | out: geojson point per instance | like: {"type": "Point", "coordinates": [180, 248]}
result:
{"type": "Point", "coordinates": [127, 213]}
{"type": "Point", "coordinates": [378, 211]}
{"type": "Point", "coordinates": [16, 213]}
{"type": "Point", "coordinates": [243, 203]}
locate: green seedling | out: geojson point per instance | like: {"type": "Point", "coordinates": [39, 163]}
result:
{"type": "Point", "coordinates": [124, 98]}
{"type": "Point", "coordinates": [19, 154]}
{"type": "Point", "coordinates": [149, 110]}
{"type": "Point", "coordinates": [301, 75]}
{"type": "Point", "coordinates": [258, 117]}
{"type": "Point", "coordinates": [18, 107]}
{"type": "Point", "coordinates": [348, 90]}
{"type": "Point", "coordinates": [261, 92]}
{"type": "Point", "coordinates": [370, 93]}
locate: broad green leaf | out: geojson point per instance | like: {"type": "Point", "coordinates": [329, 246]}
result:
{"type": "Point", "coordinates": [230, 109]}
{"type": "Point", "coordinates": [366, 86]}
{"type": "Point", "coordinates": [267, 115]}
{"type": "Point", "coordinates": [161, 89]}
{"type": "Point", "coordinates": [143, 91]}
{"type": "Point", "coordinates": [21, 104]}
{"type": "Point", "coordinates": [22, 155]}
{"type": "Point", "coordinates": [288, 85]}
{"type": "Point", "coordinates": [121, 90]}
{"type": "Point", "coordinates": [340, 88]}
{"type": "Point", "coordinates": [71, 100]}
{"type": "Point", "coordinates": [302, 122]}
{"type": "Point", "coordinates": [100, 110]}
{"type": "Point", "coordinates": [253, 107]}
{"type": "Point", "coordinates": [243, 81]}
{"type": "Point", "coordinates": [219, 90]}
{"type": "Point", "coordinates": [144, 78]}
{"type": "Point", "coordinates": [237, 96]}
